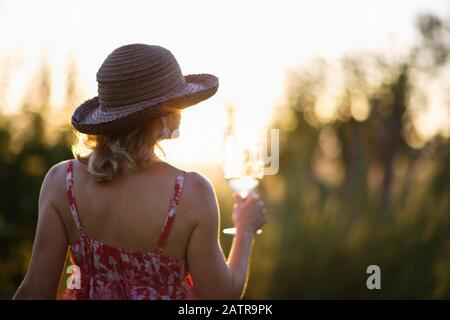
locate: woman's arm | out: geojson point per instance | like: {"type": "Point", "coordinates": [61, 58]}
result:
{"type": "Point", "coordinates": [50, 244]}
{"type": "Point", "coordinates": [213, 276]}
{"type": "Point", "coordinates": [238, 262]}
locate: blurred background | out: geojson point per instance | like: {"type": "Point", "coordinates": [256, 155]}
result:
{"type": "Point", "coordinates": [360, 91]}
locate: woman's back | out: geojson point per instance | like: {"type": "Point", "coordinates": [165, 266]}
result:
{"type": "Point", "coordinates": [129, 212]}
{"type": "Point", "coordinates": [120, 241]}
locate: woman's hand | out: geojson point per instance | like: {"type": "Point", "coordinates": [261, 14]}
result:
{"type": "Point", "coordinates": [249, 214]}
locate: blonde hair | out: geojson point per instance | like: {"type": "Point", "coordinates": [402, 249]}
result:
{"type": "Point", "coordinates": [106, 155]}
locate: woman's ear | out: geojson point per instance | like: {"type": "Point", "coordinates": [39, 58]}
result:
{"type": "Point", "coordinates": [174, 123]}
{"type": "Point", "coordinates": [175, 133]}
{"type": "Point", "coordinates": [169, 126]}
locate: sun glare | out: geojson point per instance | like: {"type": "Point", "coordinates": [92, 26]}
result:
{"type": "Point", "coordinates": [248, 45]}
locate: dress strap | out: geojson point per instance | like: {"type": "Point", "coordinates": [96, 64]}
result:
{"type": "Point", "coordinates": [176, 195]}
{"type": "Point", "coordinates": [71, 194]}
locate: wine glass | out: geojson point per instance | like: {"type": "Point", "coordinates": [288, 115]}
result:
{"type": "Point", "coordinates": [243, 169]}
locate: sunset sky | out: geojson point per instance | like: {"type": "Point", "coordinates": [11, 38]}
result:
{"type": "Point", "coordinates": [247, 44]}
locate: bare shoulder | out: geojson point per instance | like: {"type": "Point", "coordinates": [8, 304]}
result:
{"type": "Point", "coordinates": [199, 185]}
{"type": "Point", "coordinates": [194, 182]}
{"type": "Point", "coordinates": [200, 195]}
{"type": "Point", "coordinates": [53, 186]}
{"type": "Point", "coordinates": [57, 171]}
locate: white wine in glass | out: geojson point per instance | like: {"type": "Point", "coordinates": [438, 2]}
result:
{"type": "Point", "coordinates": [243, 169]}
{"type": "Point", "coordinates": [243, 185]}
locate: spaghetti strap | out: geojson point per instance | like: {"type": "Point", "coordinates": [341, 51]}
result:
{"type": "Point", "coordinates": [176, 195]}
{"type": "Point", "coordinates": [71, 195]}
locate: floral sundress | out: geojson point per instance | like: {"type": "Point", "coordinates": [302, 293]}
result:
{"type": "Point", "coordinates": [108, 272]}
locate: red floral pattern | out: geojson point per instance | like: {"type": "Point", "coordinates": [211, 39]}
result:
{"type": "Point", "coordinates": [108, 272]}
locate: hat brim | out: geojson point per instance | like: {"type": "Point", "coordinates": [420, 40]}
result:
{"type": "Point", "coordinates": [91, 118]}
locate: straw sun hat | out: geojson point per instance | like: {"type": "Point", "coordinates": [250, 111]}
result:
{"type": "Point", "coordinates": [138, 82]}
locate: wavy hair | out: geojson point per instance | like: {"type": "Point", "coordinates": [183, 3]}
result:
{"type": "Point", "coordinates": [106, 155]}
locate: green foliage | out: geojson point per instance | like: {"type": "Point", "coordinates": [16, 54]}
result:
{"type": "Point", "coordinates": [25, 156]}
{"type": "Point", "coordinates": [351, 194]}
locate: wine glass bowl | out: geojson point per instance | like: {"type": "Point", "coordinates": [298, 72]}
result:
{"type": "Point", "coordinates": [243, 169]}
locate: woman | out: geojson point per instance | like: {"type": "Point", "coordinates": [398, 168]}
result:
{"type": "Point", "coordinates": [115, 204]}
